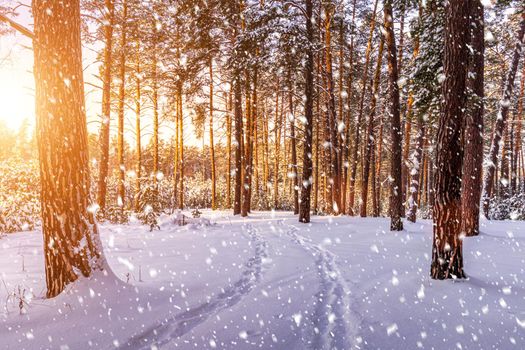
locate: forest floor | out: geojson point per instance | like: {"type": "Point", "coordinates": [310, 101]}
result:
{"type": "Point", "coordinates": [269, 282]}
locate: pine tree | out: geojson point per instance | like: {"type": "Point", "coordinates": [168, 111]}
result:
{"type": "Point", "coordinates": [447, 255]}
{"type": "Point", "coordinates": [71, 243]}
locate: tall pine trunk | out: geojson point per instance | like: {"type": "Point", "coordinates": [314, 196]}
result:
{"type": "Point", "coordinates": [473, 126]}
{"type": "Point", "coordinates": [306, 188]}
{"type": "Point", "coordinates": [228, 102]}
{"type": "Point", "coordinates": [396, 200]}
{"type": "Point", "coordinates": [447, 254]}
{"type": "Point", "coordinates": [138, 132]}
{"type": "Point", "coordinates": [293, 147]}
{"type": "Point", "coordinates": [71, 242]}
{"type": "Point", "coordinates": [238, 144]}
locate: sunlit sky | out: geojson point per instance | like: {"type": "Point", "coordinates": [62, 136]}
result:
{"type": "Point", "coordinates": [17, 88]}
{"type": "Point", "coordinates": [16, 81]}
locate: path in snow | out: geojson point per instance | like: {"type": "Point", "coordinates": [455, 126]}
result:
{"type": "Point", "coordinates": [331, 320]}
{"type": "Point", "coordinates": [177, 326]}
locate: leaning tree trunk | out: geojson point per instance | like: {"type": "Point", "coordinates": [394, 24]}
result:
{"type": "Point", "coordinates": [71, 243]}
{"type": "Point", "coordinates": [473, 127]}
{"type": "Point", "coordinates": [488, 183]}
{"type": "Point", "coordinates": [396, 200]}
{"type": "Point", "coordinates": [106, 108]}
{"type": "Point", "coordinates": [447, 255]}
{"type": "Point", "coordinates": [306, 188]}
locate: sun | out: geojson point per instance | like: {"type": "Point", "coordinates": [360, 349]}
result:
{"type": "Point", "coordinates": [16, 103]}
{"type": "Point", "coordinates": [17, 100]}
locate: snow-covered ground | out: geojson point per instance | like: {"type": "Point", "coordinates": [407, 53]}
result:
{"type": "Point", "coordinates": [269, 282]}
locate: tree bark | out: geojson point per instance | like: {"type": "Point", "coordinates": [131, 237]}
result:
{"type": "Point", "coordinates": [212, 145]}
{"type": "Point", "coordinates": [228, 99]}
{"type": "Point", "coordinates": [473, 126]}
{"type": "Point", "coordinates": [396, 200]}
{"type": "Point", "coordinates": [238, 145]}
{"type": "Point", "coordinates": [181, 147]}
{"type": "Point", "coordinates": [306, 188]}
{"type": "Point", "coordinates": [248, 149]}
{"type": "Point", "coordinates": [72, 245]}
{"type": "Point", "coordinates": [293, 148]}
{"type": "Point", "coordinates": [447, 255]}
{"type": "Point", "coordinates": [138, 146]}
{"type": "Point", "coordinates": [418, 165]}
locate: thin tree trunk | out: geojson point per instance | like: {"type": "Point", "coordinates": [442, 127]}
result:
{"type": "Point", "coordinates": [106, 108]}
{"type": "Point", "coordinates": [253, 145]}
{"type": "Point", "coordinates": [72, 247]}
{"type": "Point", "coordinates": [348, 121]}
{"type": "Point", "coordinates": [277, 135]}
{"type": "Point", "coordinates": [155, 122]}
{"type": "Point", "coordinates": [517, 144]}
{"type": "Point", "coordinates": [447, 255]}
{"type": "Point", "coordinates": [181, 148]}
{"type": "Point", "coordinates": [334, 177]}
{"type": "Point", "coordinates": [121, 192]}
{"type": "Point", "coordinates": [138, 146]}
{"type": "Point", "coordinates": [293, 147]}
{"type": "Point", "coordinates": [306, 188]}
{"type": "Point", "coordinates": [238, 145]}
{"type": "Point", "coordinates": [228, 101]}
{"type": "Point", "coordinates": [212, 145]}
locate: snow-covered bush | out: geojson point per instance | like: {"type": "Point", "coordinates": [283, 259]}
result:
{"type": "Point", "coordinates": [114, 214]}
{"type": "Point", "coordinates": [149, 205]}
{"type": "Point", "coordinates": [512, 208]}
{"type": "Point", "coordinates": [19, 196]}
{"type": "Point", "coordinates": [425, 212]}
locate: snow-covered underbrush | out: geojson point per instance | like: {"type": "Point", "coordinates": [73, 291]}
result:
{"type": "Point", "coordinates": [510, 208]}
{"type": "Point", "coordinates": [19, 196]}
